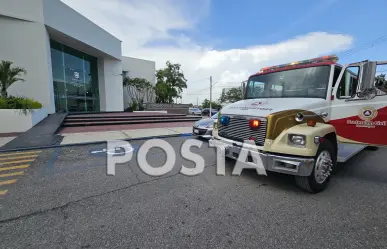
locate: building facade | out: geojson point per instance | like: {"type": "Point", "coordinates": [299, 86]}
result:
{"type": "Point", "coordinates": [138, 68]}
{"type": "Point", "coordinates": [72, 64]}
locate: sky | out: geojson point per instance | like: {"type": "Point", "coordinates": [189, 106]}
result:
{"type": "Point", "coordinates": [232, 39]}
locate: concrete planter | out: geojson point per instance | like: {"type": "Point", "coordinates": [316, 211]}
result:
{"type": "Point", "coordinates": [15, 121]}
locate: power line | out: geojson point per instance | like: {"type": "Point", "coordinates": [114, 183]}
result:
{"type": "Point", "coordinates": [229, 85]}
{"type": "Point", "coordinates": [201, 93]}
{"type": "Point", "coordinates": [207, 88]}
{"type": "Point", "coordinates": [196, 81]}
{"type": "Point", "coordinates": [201, 89]}
{"type": "Point", "coordinates": [365, 46]}
{"type": "Point", "coordinates": [362, 46]}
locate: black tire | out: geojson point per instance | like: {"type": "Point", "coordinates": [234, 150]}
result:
{"type": "Point", "coordinates": [309, 183]}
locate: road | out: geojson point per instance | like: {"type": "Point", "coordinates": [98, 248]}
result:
{"type": "Point", "coordinates": [65, 200]}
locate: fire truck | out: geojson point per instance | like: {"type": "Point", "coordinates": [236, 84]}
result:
{"type": "Point", "coordinates": [305, 117]}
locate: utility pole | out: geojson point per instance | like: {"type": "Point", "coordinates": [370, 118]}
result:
{"type": "Point", "coordinates": [210, 114]}
{"type": "Point", "coordinates": [197, 101]}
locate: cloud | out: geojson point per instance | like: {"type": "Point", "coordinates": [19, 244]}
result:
{"type": "Point", "coordinates": [142, 24]}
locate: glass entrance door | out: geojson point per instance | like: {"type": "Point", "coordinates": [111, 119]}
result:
{"type": "Point", "coordinates": [75, 79]}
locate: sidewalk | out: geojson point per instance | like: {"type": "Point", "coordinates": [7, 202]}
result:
{"type": "Point", "coordinates": [73, 135]}
{"type": "Point", "coordinates": [5, 140]}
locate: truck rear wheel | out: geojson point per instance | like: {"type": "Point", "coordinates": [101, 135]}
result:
{"type": "Point", "coordinates": [325, 161]}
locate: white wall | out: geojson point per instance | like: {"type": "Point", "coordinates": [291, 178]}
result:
{"type": "Point", "coordinates": [110, 85]}
{"type": "Point", "coordinates": [15, 121]}
{"type": "Point", "coordinates": [101, 85]}
{"type": "Point", "coordinates": [137, 68]}
{"type": "Point", "coordinates": [25, 44]}
{"type": "Point", "coordinates": [30, 10]}
{"type": "Point", "coordinates": [61, 17]}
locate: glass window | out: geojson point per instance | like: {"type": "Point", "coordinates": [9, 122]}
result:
{"type": "Point", "coordinates": [309, 82]}
{"type": "Point", "coordinates": [57, 65]}
{"type": "Point", "coordinates": [75, 76]}
{"type": "Point", "coordinates": [348, 83]}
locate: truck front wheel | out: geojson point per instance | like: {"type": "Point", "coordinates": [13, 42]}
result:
{"type": "Point", "coordinates": [325, 161]}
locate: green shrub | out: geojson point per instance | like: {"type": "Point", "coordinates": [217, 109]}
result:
{"type": "Point", "coordinates": [3, 103]}
{"type": "Point", "coordinates": [134, 105]}
{"type": "Point", "coordinates": [19, 103]}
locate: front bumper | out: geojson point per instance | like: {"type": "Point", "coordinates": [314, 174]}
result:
{"type": "Point", "coordinates": [292, 165]}
{"type": "Point", "coordinates": [202, 132]}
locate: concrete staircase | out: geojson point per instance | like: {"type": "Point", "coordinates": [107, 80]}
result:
{"type": "Point", "coordinates": [121, 118]}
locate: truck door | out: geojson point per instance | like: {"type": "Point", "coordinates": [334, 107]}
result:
{"type": "Point", "coordinates": [359, 105]}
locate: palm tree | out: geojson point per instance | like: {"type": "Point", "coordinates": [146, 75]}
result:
{"type": "Point", "coordinates": [9, 75]}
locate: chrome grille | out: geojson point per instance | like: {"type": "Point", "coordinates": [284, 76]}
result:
{"type": "Point", "coordinates": [239, 130]}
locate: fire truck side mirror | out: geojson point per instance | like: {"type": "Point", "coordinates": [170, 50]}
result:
{"type": "Point", "coordinates": [243, 89]}
{"type": "Point", "coordinates": [367, 84]}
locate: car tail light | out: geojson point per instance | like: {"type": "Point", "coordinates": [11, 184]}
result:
{"type": "Point", "coordinates": [254, 123]}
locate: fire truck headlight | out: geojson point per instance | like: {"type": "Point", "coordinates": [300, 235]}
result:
{"type": "Point", "coordinates": [297, 140]}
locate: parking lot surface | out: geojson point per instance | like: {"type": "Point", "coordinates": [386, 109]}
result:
{"type": "Point", "coordinates": [64, 199]}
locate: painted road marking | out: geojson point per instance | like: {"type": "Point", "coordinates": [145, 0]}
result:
{"type": "Point", "coordinates": [18, 173]}
{"type": "Point", "coordinates": [3, 192]}
{"type": "Point", "coordinates": [7, 182]}
{"type": "Point", "coordinates": [17, 157]}
{"type": "Point", "coordinates": [20, 153]}
{"type": "Point", "coordinates": [13, 162]}
{"type": "Point", "coordinates": [15, 167]}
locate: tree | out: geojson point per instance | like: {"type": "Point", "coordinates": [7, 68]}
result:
{"type": "Point", "coordinates": [139, 90]}
{"type": "Point", "coordinates": [9, 75]}
{"type": "Point", "coordinates": [170, 83]}
{"type": "Point", "coordinates": [231, 96]}
{"type": "Point", "coordinates": [214, 105]}
{"type": "Point", "coordinates": [162, 91]}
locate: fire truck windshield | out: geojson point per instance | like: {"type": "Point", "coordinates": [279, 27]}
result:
{"type": "Point", "coordinates": [311, 82]}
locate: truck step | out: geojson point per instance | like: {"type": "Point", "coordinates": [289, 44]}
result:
{"type": "Point", "coordinates": [346, 151]}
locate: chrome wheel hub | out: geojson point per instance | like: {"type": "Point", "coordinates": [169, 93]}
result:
{"type": "Point", "coordinates": [323, 167]}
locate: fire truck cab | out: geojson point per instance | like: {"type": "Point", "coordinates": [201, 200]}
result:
{"type": "Point", "coordinates": [305, 117]}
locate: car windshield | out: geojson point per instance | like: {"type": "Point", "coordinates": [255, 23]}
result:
{"type": "Point", "coordinates": [309, 82]}
{"type": "Point", "coordinates": [215, 116]}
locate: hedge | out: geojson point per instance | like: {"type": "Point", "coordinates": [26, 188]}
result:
{"type": "Point", "coordinates": [20, 103]}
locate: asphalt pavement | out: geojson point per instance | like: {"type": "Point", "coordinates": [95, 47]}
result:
{"type": "Point", "coordinates": [65, 200]}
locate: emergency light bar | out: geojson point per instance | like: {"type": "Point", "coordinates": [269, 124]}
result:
{"type": "Point", "coordinates": [328, 58]}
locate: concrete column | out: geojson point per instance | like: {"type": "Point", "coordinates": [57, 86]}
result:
{"type": "Point", "coordinates": [110, 84]}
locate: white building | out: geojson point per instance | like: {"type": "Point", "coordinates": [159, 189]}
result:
{"type": "Point", "coordinates": [72, 64]}
{"type": "Point", "coordinates": [137, 68]}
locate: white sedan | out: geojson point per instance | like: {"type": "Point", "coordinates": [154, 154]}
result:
{"type": "Point", "coordinates": [194, 111]}
{"type": "Point", "coordinates": [203, 128]}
